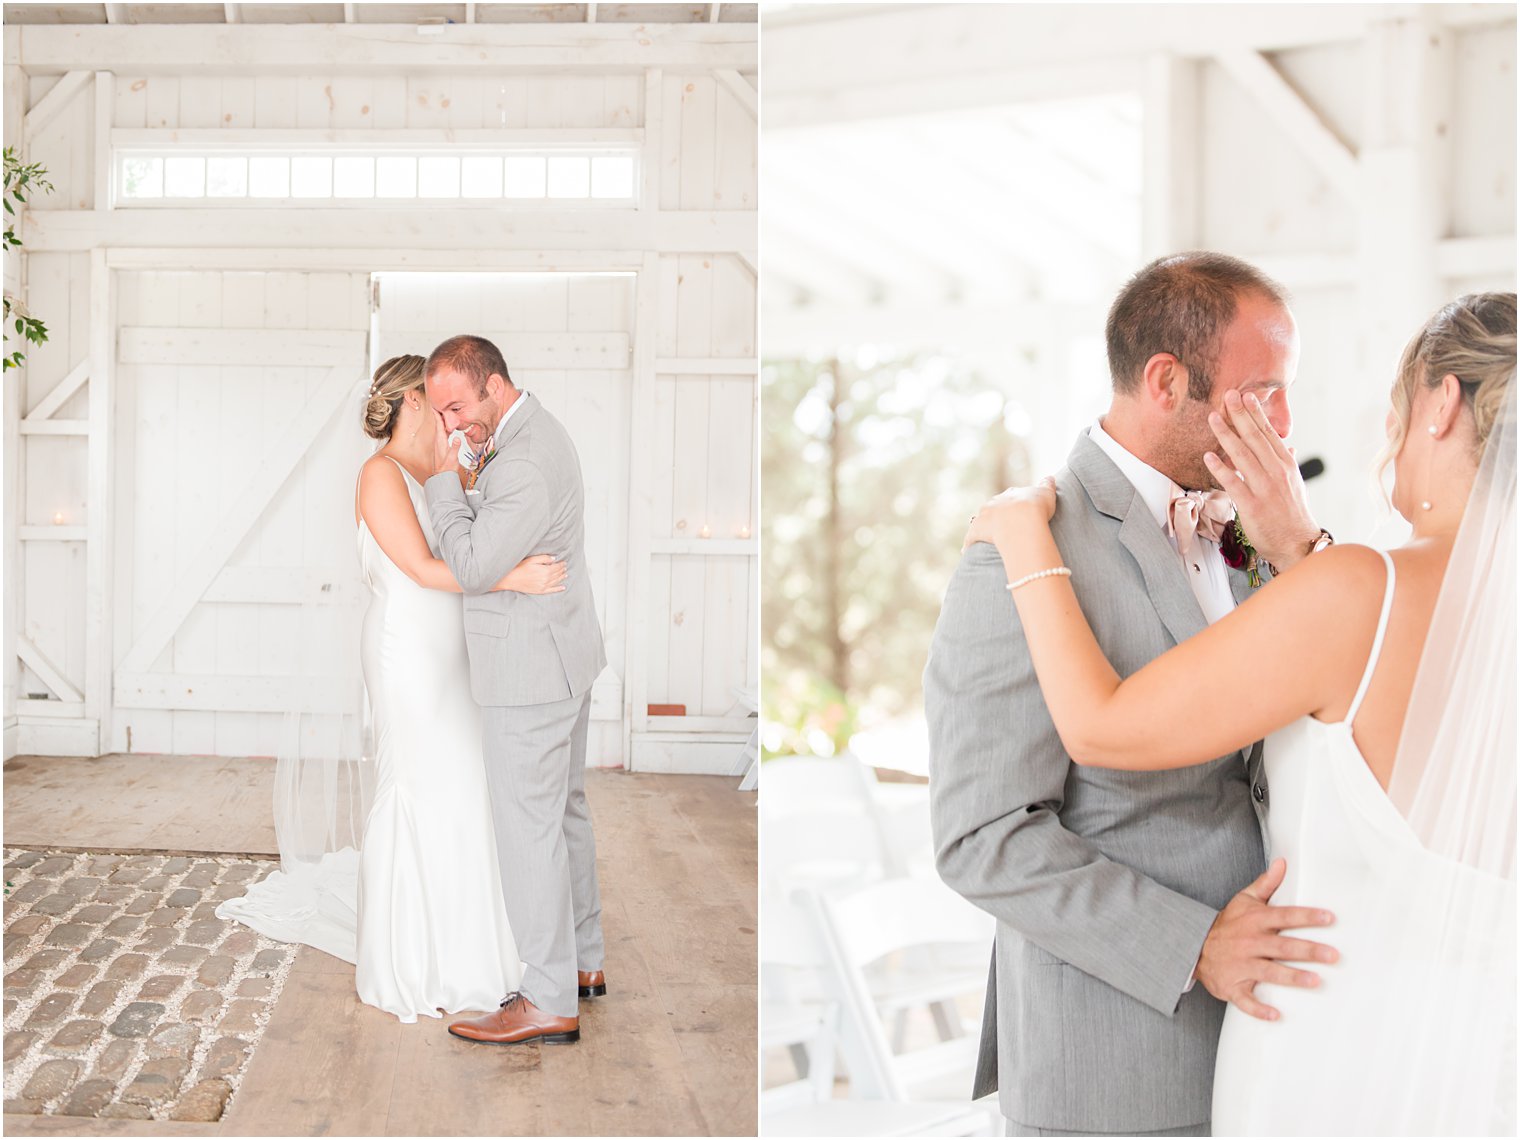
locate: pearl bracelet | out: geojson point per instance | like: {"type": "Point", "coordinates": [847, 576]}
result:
{"type": "Point", "coordinates": [1051, 573]}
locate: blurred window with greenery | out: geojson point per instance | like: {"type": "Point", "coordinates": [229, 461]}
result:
{"type": "Point", "coordinates": [871, 467]}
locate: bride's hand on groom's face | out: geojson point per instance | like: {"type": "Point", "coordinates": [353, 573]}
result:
{"type": "Point", "coordinates": [1260, 473]}
{"type": "Point", "coordinates": [1000, 519]}
{"type": "Point", "coordinates": [1246, 945]}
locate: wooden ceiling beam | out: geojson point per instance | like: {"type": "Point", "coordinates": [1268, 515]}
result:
{"type": "Point", "coordinates": [373, 49]}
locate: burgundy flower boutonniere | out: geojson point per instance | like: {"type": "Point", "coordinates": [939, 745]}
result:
{"type": "Point", "coordinates": [1238, 552]}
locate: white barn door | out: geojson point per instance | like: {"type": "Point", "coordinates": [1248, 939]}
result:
{"type": "Point", "coordinates": [238, 444]}
{"type": "Point", "coordinates": [566, 338]}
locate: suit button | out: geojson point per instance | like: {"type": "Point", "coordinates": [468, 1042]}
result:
{"type": "Point", "coordinates": [1259, 792]}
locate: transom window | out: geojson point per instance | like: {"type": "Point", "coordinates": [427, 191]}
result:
{"type": "Point", "coordinates": [564, 177]}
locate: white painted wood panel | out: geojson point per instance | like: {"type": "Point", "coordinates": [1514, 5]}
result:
{"type": "Point", "coordinates": [241, 394]}
{"type": "Point", "coordinates": [378, 102]}
{"type": "Point", "coordinates": [215, 343]}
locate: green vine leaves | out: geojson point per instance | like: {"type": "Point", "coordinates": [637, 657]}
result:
{"type": "Point", "coordinates": [21, 179]}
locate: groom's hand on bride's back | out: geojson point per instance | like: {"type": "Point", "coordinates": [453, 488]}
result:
{"type": "Point", "coordinates": [1246, 945]}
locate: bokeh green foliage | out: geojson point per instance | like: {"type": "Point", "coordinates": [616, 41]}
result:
{"type": "Point", "coordinates": [871, 468]}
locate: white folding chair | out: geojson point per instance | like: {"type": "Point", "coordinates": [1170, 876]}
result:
{"type": "Point", "coordinates": [747, 766]}
{"type": "Point", "coordinates": [794, 1011]}
{"type": "Point", "coordinates": [902, 811]}
{"type": "Point", "coordinates": [876, 927]}
{"type": "Point", "coordinates": [799, 1018]}
{"type": "Point", "coordinates": [821, 851]}
{"type": "Point", "coordinates": [791, 785]}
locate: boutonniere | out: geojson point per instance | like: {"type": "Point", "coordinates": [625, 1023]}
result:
{"type": "Point", "coordinates": [1238, 552]}
{"type": "Point", "coordinates": [479, 467]}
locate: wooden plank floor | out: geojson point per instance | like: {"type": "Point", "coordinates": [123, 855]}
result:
{"type": "Point", "coordinates": [670, 1051]}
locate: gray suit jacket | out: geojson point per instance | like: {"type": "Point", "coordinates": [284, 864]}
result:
{"type": "Point", "coordinates": [525, 649]}
{"type": "Point", "coordinates": [1104, 883]}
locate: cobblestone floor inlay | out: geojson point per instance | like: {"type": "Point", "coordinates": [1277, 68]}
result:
{"type": "Point", "coordinates": [125, 995]}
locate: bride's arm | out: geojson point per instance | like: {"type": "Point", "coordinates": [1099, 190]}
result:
{"type": "Point", "coordinates": [1285, 653]}
{"type": "Point", "coordinates": [387, 510]}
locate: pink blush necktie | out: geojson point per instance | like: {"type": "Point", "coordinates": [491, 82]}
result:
{"type": "Point", "coordinates": [1203, 513]}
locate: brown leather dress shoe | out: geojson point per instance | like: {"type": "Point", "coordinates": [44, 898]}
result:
{"type": "Point", "coordinates": [518, 1021]}
{"type": "Point", "coordinates": [593, 983]}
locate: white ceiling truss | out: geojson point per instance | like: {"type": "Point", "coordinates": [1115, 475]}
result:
{"type": "Point", "coordinates": [998, 157]}
{"type": "Point", "coordinates": [382, 13]}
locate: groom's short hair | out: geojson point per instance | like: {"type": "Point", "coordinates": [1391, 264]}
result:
{"type": "Point", "coordinates": [1180, 304]}
{"type": "Point", "coordinates": [474, 356]}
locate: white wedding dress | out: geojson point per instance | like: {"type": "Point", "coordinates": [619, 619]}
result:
{"type": "Point", "coordinates": [1342, 1059]}
{"type": "Point", "coordinates": [420, 911]}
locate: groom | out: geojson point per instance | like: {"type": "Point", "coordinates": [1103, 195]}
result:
{"type": "Point", "coordinates": [1125, 902]}
{"type": "Point", "coordinates": [533, 659]}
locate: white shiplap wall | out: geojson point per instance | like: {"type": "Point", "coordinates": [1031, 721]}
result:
{"type": "Point", "coordinates": [670, 439]}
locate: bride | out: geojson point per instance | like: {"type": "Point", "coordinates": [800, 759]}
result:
{"type": "Point", "coordinates": [420, 911]}
{"type": "Point", "coordinates": [1387, 685]}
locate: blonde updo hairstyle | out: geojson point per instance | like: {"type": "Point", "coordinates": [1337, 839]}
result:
{"type": "Point", "coordinates": [393, 380]}
{"type": "Point", "coordinates": [1473, 339]}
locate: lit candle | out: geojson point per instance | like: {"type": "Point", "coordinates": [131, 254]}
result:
{"type": "Point", "coordinates": [57, 518]}
{"type": "Point", "coordinates": [705, 532]}
{"type": "Point", "coordinates": [743, 532]}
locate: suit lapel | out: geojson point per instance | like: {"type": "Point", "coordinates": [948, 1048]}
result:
{"type": "Point", "coordinates": [519, 417]}
{"type": "Point", "coordinates": [1175, 602]}
{"type": "Point", "coordinates": [1165, 580]}
{"type": "Point", "coordinates": [514, 427]}
{"type": "Point", "coordinates": [1115, 496]}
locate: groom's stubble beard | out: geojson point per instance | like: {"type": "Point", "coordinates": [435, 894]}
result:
{"type": "Point", "coordinates": [1179, 455]}
{"type": "Point", "coordinates": [488, 415]}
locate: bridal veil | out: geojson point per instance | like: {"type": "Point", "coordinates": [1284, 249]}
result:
{"type": "Point", "coordinates": [1454, 784]}
{"type": "Point", "coordinates": [324, 769]}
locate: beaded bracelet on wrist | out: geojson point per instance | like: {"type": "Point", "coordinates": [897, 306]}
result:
{"type": "Point", "coordinates": [1054, 571]}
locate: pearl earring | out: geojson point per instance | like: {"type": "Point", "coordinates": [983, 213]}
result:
{"type": "Point", "coordinates": [1425, 505]}
{"type": "Point", "coordinates": [1431, 429]}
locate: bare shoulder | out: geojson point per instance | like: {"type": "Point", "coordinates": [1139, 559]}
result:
{"type": "Point", "coordinates": [1336, 584]}
{"type": "Point", "coordinates": [1346, 564]}
{"type": "Point", "coordinates": [381, 484]}
{"type": "Point", "coordinates": [379, 468]}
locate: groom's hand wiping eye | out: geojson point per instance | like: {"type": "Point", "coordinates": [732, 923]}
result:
{"type": "Point", "coordinates": [1260, 474]}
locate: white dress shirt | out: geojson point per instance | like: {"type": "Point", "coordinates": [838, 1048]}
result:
{"type": "Point", "coordinates": [1205, 568]}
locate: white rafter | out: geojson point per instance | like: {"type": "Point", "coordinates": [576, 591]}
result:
{"type": "Point", "coordinates": [60, 394]}
{"type": "Point", "coordinates": [1301, 122]}
{"type": "Point", "coordinates": [667, 231]}
{"type": "Point", "coordinates": [51, 105]}
{"type": "Point", "coordinates": [375, 49]}
{"type": "Point", "coordinates": [741, 90]}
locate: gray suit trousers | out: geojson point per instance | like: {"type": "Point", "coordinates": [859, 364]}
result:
{"type": "Point", "coordinates": [536, 771]}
